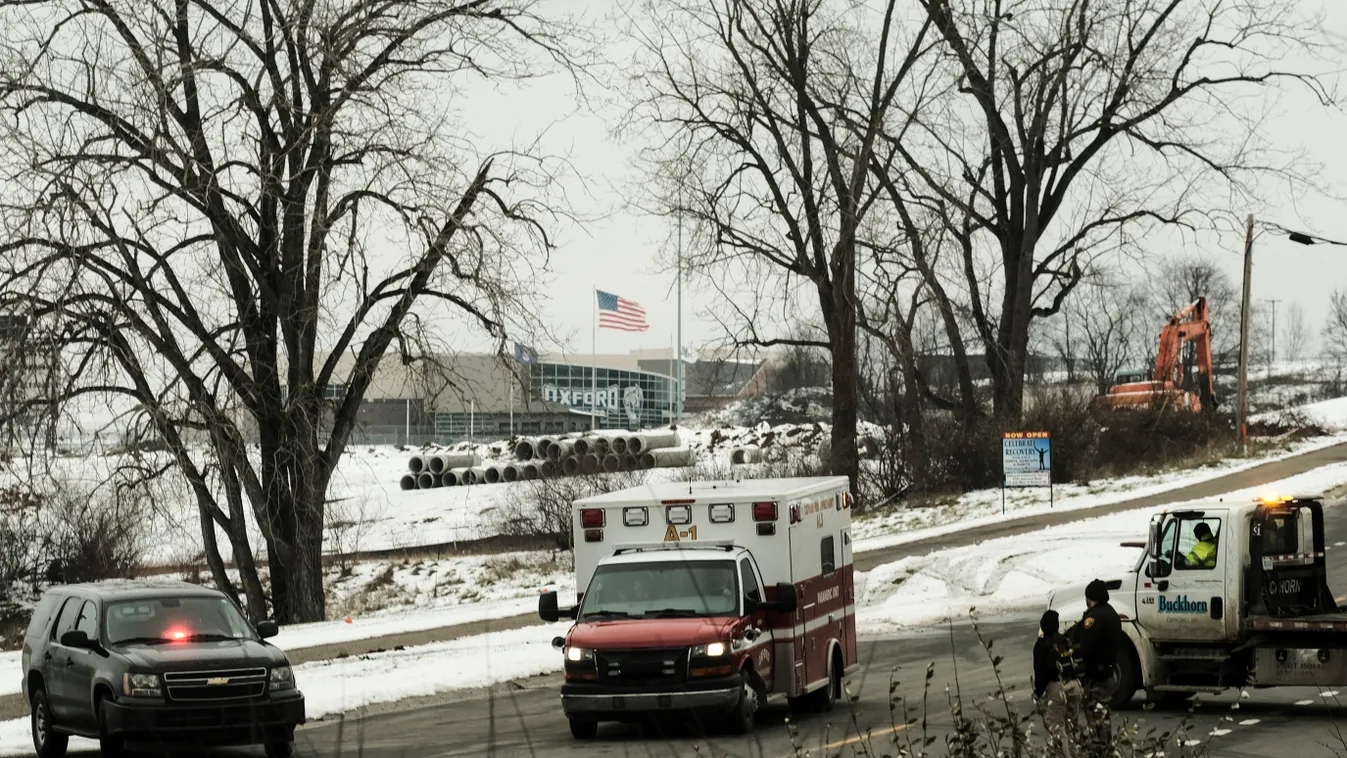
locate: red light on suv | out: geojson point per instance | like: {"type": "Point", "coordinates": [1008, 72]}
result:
{"type": "Point", "coordinates": [764, 511]}
{"type": "Point", "coordinates": [591, 518]}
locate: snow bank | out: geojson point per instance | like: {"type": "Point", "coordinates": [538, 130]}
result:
{"type": "Point", "coordinates": [1017, 573]}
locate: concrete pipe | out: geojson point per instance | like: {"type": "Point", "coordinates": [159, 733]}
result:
{"type": "Point", "coordinates": [657, 440]}
{"type": "Point", "coordinates": [435, 464]}
{"type": "Point", "coordinates": [408, 482]}
{"type": "Point", "coordinates": [617, 445]}
{"type": "Point", "coordinates": [602, 446]}
{"type": "Point", "coordinates": [645, 460]}
{"type": "Point", "coordinates": [669, 457]}
{"type": "Point", "coordinates": [549, 469]}
{"type": "Point", "coordinates": [570, 465]}
{"type": "Point", "coordinates": [612, 463]}
{"type": "Point", "coordinates": [450, 479]}
{"type": "Point", "coordinates": [462, 476]}
{"type": "Point", "coordinates": [585, 445]}
{"type": "Point", "coordinates": [630, 463]}
{"type": "Point", "coordinates": [529, 471]}
{"type": "Point", "coordinates": [635, 445]}
{"type": "Point", "coordinates": [427, 481]}
{"type": "Point", "coordinates": [589, 463]}
{"type": "Point", "coordinates": [416, 464]}
{"type": "Point", "coordinates": [561, 450]}
{"type": "Point", "coordinates": [542, 445]}
{"type": "Point", "coordinates": [491, 475]}
{"type": "Point", "coordinates": [745, 454]}
{"type": "Point", "coordinates": [477, 475]}
{"type": "Point", "coordinates": [509, 473]}
{"type": "Point", "coordinates": [525, 450]}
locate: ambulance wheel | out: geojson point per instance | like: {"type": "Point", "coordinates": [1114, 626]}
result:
{"type": "Point", "coordinates": [741, 719]}
{"type": "Point", "coordinates": [584, 730]}
{"type": "Point", "coordinates": [823, 700]}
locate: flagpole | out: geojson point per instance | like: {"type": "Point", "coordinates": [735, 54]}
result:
{"type": "Point", "coordinates": [678, 348]}
{"type": "Point", "coordinates": [594, 360]}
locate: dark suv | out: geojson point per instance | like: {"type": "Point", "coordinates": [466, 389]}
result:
{"type": "Point", "coordinates": [164, 662]}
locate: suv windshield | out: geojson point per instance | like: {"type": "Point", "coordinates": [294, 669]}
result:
{"type": "Point", "coordinates": [174, 619]}
{"type": "Point", "coordinates": [674, 588]}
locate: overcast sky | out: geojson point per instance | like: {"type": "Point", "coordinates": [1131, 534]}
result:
{"type": "Point", "coordinates": [619, 254]}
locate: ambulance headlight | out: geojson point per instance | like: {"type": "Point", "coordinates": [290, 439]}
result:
{"type": "Point", "coordinates": [710, 650]}
{"type": "Point", "coordinates": [578, 654]}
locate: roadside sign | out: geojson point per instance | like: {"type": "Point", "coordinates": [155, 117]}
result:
{"type": "Point", "coordinates": [1026, 458]}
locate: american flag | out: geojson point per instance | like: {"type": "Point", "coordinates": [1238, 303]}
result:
{"type": "Point", "coordinates": [618, 313]}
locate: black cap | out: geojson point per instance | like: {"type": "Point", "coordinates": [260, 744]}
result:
{"type": "Point", "coordinates": [1049, 623]}
{"type": "Point", "coordinates": [1201, 530]}
{"type": "Point", "coordinates": [1097, 591]}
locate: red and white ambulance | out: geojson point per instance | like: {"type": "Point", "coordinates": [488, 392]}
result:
{"type": "Point", "coordinates": [711, 597]}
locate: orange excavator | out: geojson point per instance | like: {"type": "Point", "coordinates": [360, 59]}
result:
{"type": "Point", "coordinates": [1167, 386]}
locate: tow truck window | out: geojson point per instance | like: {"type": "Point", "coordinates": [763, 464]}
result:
{"type": "Point", "coordinates": [748, 581]}
{"type": "Point", "coordinates": [671, 589]}
{"type": "Point", "coordinates": [1199, 544]}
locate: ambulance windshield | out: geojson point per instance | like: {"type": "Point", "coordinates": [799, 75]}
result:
{"type": "Point", "coordinates": [669, 589]}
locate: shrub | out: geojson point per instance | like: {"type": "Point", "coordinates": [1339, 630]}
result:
{"type": "Point", "coordinates": [545, 508]}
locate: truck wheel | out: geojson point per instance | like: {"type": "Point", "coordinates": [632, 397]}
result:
{"type": "Point", "coordinates": [47, 743]}
{"type": "Point", "coordinates": [280, 749]}
{"type": "Point", "coordinates": [108, 745]}
{"type": "Point", "coordinates": [1129, 677]}
{"type": "Point", "coordinates": [584, 730]}
{"type": "Point", "coordinates": [741, 718]}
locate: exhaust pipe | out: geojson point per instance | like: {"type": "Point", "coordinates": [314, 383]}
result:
{"type": "Point", "coordinates": [668, 458]}
{"type": "Point", "coordinates": [612, 463]}
{"type": "Point", "coordinates": [427, 481]}
{"type": "Point", "coordinates": [509, 473]}
{"type": "Point", "coordinates": [416, 464]}
{"type": "Point", "coordinates": [570, 465]}
{"type": "Point", "coordinates": [408, 482]}
{"type": "Point", "coordinates": [746, 454]}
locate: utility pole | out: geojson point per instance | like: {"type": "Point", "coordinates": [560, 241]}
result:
{"type": "Point", "coordinates": [678, 348]}
{"type": "Point", "coordinates": [1242, 407]}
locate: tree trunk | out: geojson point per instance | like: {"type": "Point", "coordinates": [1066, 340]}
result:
{"type": "Point", "coordinates": [840, 312]}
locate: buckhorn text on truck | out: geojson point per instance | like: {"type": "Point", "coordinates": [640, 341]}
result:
{"type": "Point", "coordinates": [1252, 608]}
{"type": "Point", "coordinates": [710, 597]}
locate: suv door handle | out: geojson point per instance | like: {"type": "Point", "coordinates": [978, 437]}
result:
{"type": "Point", "coordinates": [46, 656]}
{"type": "Point", "coordinates": [69, 662]}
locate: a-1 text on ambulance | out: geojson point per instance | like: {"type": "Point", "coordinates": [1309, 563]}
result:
{"type": "Point", "coordinates": [708, 597]}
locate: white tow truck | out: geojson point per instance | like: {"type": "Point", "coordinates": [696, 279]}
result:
{"type": "Point", "coordinates": [1256, 613]}
{"type": "Point", "coordinates": [708, 597]}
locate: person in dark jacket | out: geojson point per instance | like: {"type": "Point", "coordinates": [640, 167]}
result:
{"type": "Point", "coordinates": [1057, 686]}
{"type": "Point", "coordinates": [1100, 638]}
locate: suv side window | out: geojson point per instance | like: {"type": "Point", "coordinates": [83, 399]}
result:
{"type": "Point", "coordinates": [750, 582]}
{"type": "Point", "coordinates": [65, 622]}
{"type": "Point", "coordinates": [42, 614]}
{"type": "Point", "coordinates": [88, 620]}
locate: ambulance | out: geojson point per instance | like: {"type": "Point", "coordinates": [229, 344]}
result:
{"type": "Point", "coordinates": [711, 598]}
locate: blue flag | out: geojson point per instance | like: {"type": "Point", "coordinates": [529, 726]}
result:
{"type": "Point", "coordinates": [525, 354]}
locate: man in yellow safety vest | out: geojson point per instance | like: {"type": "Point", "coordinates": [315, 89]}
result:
{"type": "Point", "coordinates": [1203, 554]}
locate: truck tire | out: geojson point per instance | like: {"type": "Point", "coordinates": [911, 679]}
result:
{"type": "Point", "coordinates": [584, 730]}
{"type": "Point", "coordinates": [280, 749]}
{"type": "Point", "coordinates": [108, 745]}
{"type": "Point", "coordinates": [823, 700]}
{"type": "Point", "coordinates": [47, 743]}
{"type": "Point", "coordinates": [741, 719]}
{"type": "Point", "coordinates": [1129, 677]}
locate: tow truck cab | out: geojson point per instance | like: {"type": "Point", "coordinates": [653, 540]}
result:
{"type": "Point", "coordinates": [709, 597]}
{"type": "Point", "coordinates": [1257, 612]}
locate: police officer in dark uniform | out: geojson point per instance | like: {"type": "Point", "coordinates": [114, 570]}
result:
{"type": "Point", "coordinates": [1100, 637]}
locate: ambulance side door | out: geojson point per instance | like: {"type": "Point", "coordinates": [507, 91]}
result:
{"type": "Point", "coordinates": [762, 651]}
{"type": "Point", "coordinates": [804, 569]}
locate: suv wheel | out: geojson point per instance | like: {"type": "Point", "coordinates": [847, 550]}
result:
{"type": "Point", "coordinates": [584, 730]}
{"type": "Point", "coordinates": [46, 742]}
{"type": "Point", "coordinates": [108, 745]}
{"type": "Point", "coordinates": [280, 749]}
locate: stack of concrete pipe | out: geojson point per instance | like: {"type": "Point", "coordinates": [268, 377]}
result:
{"type": "Point", "coordinates": [604, 451]}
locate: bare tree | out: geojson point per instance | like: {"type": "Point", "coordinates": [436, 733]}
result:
{"type": "Point", "coordinates": [1335, 327]}
{"type": "Point", "coordinates": [1295, 336]}
{"type": "Point", "coordinates": [764, 116]}
{"type": "Point", "coordinates": [1079, 126]}
{"type": "Point", "coordinates": [1109, 322]}
{"type": "Point", "coordinates": [231, 213]}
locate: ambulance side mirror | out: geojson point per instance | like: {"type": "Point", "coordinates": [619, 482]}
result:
{"type": "Point", "coordinates": [786, 599]}
{"type": "Point", "coordinates": [548, 610]}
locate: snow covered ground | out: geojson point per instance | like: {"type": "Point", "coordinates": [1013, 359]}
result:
{"type": "Point", "coordinates": [1017, 573]}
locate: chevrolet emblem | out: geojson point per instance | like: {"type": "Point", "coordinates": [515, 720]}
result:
{"type": "Point", "coordinates": [219, 680]}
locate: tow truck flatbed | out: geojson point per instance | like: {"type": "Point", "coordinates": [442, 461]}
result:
{"type": "Point", "coordinates": [1326, 622]}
